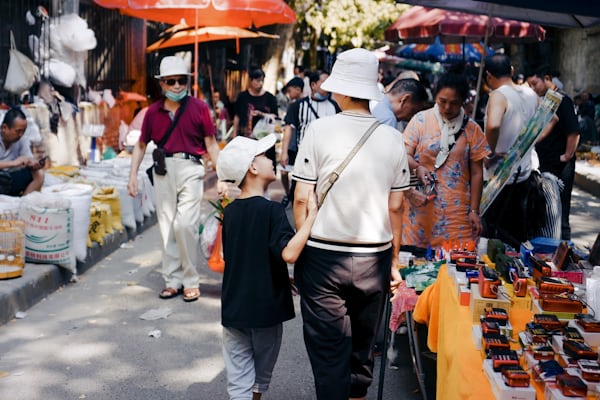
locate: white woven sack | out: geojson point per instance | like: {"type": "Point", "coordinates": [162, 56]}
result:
{"type": "Point", "coordinates": [22, 73]}
{"type": "Point", "coordinates": [80, 196]}
{"type": "Point", "coordinates": [48, 230]}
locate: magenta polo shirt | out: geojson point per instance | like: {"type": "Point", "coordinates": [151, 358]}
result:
{"type": "Point", "coordinates": [188, 136]}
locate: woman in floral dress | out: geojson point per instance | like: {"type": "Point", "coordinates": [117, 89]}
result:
{"type": "Point", "coordinates": [445, 145]}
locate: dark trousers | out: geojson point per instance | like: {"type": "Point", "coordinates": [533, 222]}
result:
{"type": "Point", "coordinates": [342, 301]}
{"type": "Point", "coordinates": [568, 177]}
{"type": "Point", "coordinates": [505, 218]}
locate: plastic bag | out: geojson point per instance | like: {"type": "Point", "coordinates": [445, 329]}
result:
{"type": "Point", "coordinates": [22, 73]}
{"type": "Point", "coordinates": [263, 127]}
{"type": "Point", "coordinates": [216, 262]}
{"type": "Point", "coordinates": [208, 235]}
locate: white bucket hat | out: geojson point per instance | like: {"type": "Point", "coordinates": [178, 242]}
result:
{"type": "Point", "coordinates": [355, 74]}
{"type": "Point", "coordinates": [171, 66]}
{"type": "Point", "coordinates": [235, 159]}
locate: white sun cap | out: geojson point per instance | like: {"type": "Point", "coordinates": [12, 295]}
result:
{"type": "Point", "coordinates": [172, 66]}
{"type": "Point", "coordinates": [235, 159]}
{"type": "Point", "coordinates": [355, 74]}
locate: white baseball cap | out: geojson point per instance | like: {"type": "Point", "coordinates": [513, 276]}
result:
{"type": "Point", "coordinates": [235, 159]}
{"type": "Point", "coordinates": [171, 66]}
{"type": "Point", "coordinates": [355, 74]}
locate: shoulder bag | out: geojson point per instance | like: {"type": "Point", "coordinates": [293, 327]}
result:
{"type": "Point", "coordinates": [158, 155]}
{"type": "Point", "coordinates": [333, 177]}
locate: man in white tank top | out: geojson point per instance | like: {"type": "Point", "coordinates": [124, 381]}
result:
{"type": "Point", "coordinates": [510, 107]}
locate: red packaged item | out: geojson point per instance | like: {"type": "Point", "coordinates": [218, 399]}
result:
{"type": "Point", "coordinates": [578, 350]}
{"type": "Point", "coordinates": [494, 341]}
{"type": "Point", "coordinates": [490, 327]}
{"type": "Point", "coordinates": [560, 303]}
{"type": "Point", "coordinates": [590, 370]}
{"type": "Point", "coordinates": [588, 324]}
{"type": "Point", "coordinates": [489, 281]}
{"type": "Point", "coordinates": [543, 353]}
{"type": "Point", "coordinates": [540, 267]}
{"type": "Point", "coordinates": [515, 377]}
{"type": "Point", "coordinates": [498, 315]}
{"type": "Point", "coordinates": [502, 358]}
{"type": "Point", "coordinates": [571, 385]}
{"type": "Point", "coordinates": [549, 285]}
{"type": "Point", "coordinates": [549, 322]}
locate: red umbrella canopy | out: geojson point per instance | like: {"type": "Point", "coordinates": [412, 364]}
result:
{"type": "Point", "coordinates": [420, 25]}
{"type": "Point", "coordinates": [240, 13]}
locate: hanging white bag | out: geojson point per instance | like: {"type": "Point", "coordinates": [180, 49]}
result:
{"type": "Point", "coordinates": [22, 73]}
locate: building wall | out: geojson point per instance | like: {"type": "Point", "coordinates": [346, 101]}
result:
{"type": "Point", "coordinates": [578, 59]}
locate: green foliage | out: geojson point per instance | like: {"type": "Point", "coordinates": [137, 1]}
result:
{"type": "Point", "coordinates": [339, 24]}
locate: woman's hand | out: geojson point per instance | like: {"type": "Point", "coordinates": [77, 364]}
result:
{"type": "Point", "coordinates": [476, 225]}
{"type": "Point", "coordinates": [424, 175]}
{"type": "Point", "coordinates": [416, 198]}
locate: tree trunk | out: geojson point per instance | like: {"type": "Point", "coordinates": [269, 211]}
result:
{"type": "Point", "coordinates": [273, 56]}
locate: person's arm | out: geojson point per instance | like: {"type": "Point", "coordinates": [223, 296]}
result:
{"type": "Point", "coordinates": [20, 161]}
{"type": "Point", "coordinates": [301, 199]}
{"type": "Point", "coordinates": [285, 144]}
{"type": "Point", "coordinates": [476, 189]}
{"type": "Point", "coordinates": [496, 108]}
{"type": "Point", "coordinates": [213, 151]}
{"type": "Point", "coordinates": [136, 159]}
{"type": "Point", "coordinates": [572, 143]}
{"type": "Point", "coordinates": [292, 251]}
{"type": "Point", "coordinates": [395, 208]}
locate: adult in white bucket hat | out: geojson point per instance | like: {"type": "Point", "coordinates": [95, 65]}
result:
{"type": "Point", "coordinates": [181, 127]}
{"type": "Point", "coordinates": [361, 215]}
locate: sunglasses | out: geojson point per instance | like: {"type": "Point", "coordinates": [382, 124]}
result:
{"type": "Point", "coordinates": [171, 82]}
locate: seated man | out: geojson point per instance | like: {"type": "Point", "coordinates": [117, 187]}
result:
{"type": "Point", "coordinates": [22, 172]}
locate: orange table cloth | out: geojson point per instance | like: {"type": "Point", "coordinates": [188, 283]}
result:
{"type": "Point", "coordinates": [460, 373]}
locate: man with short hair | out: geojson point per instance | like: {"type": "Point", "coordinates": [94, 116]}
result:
{"type": "Point", "coordinates": [557, 144]}
{"type": "Point", "coordinates": [509, 108]}
{"type": "Point", "coordinates": [179, 190]}
{"type": "Point", "coordinates": [299, 115]}
{"type": "Point", "coordinates": [16, 158]}
{"type": "Point", "coordinates": [405, 98]}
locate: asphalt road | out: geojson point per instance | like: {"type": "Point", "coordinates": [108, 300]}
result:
{"type": "Point", "coordinates": [87, 341]}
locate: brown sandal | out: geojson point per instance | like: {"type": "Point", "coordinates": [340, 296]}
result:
{"type": "Point", "coordinates": [169, 293]}
{"type": "Point", "coordinates": [191, 294]}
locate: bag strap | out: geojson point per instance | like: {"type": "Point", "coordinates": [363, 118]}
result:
{"type": "Point", "coordinates": [333, 177]}
{"type": "Point", "coordinates": [164, 139]}
{"type": "Point", "coordinates": [440, 162]}
{"type": "Point", "coordinates": [311, 108]}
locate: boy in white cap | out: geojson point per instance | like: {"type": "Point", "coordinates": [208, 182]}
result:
{"type": "Point", "coordinates": [258, 242]}
{"type": "Point", "coordinates": [349, 262]}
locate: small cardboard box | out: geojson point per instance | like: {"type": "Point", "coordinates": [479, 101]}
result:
{"type": "Point", "coordinates": [522, 303]}
{"type": "Point", "coordinates": [501, 390]}
{"type": "Point", "coordinates": [479, 304]}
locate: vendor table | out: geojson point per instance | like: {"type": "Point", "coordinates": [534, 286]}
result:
{"type": "Point", "coordinates": [460, 374]}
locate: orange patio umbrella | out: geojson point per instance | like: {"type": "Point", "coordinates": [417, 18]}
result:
{"type": "Point", "coordinates": [240, 13]}
{"type": "Point", "coordinates": [203, 13]}
{"type": "Point", "coordinates": [181, 35]}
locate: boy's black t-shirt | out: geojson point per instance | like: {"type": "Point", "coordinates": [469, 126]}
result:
{"type": "Point", "coordinates": [256, 291]}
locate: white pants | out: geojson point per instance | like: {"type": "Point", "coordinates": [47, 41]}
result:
{"type": "Point", "coordinates": [178, 199]}
{"type": "Point", "coordinates": [250, 356]}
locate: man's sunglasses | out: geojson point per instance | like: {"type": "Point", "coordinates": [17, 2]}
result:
{"type": "Point", "coordinates": [171, 82]}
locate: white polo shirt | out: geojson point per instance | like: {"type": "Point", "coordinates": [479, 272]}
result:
{"type": "Point", "coordinates": [356, 208]}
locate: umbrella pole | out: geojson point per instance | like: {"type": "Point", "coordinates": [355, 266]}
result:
{"type": "Point", "coordinates": [482, 64]}
{"type": "Point", "coordinates": [195, 63]}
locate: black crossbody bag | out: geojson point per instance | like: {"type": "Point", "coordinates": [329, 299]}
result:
{"type": "Point", "coordinates": [158, 155]}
